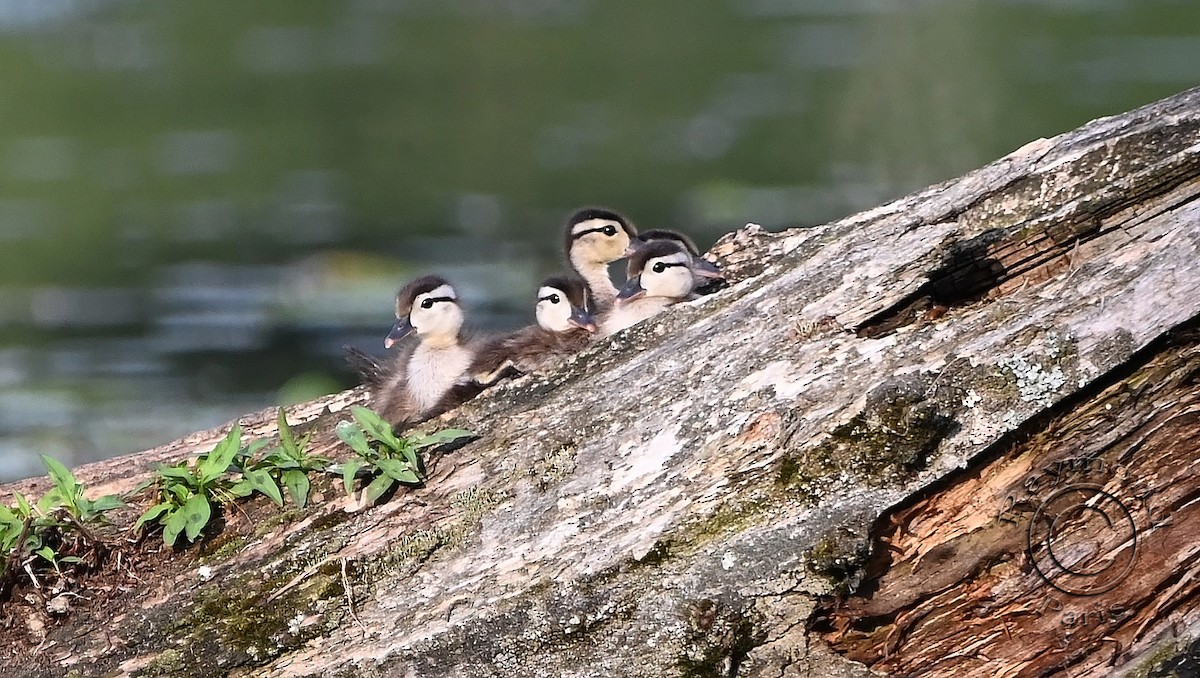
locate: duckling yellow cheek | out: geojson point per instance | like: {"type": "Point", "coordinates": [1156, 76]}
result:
{"type": "Point", "coordinates": [620, 244]}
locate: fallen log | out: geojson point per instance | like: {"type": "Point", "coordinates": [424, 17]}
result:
{"type": "Point", "coordinates": [952, 435]}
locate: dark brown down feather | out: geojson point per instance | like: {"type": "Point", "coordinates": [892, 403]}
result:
{"type": "Point", "coordinates": [534, 347]}
{"type": "Point", "coordinates": [529, 349]}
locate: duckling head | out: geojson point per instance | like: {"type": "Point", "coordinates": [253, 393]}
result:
{"type": "Point", "coordinates": [429, 307]}
{"type": "Point", "coordinates": [595, 235]}
{"type": "Point", "coordinates": [659, 269]}
{"type": "Point", "coordinates": [563, 305]}
{"type": "Point", "coordinates": [701, 268]}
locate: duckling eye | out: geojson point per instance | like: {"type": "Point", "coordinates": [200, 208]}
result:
{"type": "Point", "coordinates": [554, 298]}
{"type": "Point", "coordinates": [610, 230]}
{"type": "Point", "coordinates": [659, 267]}
{"type": "Point", "coordinates": [427, 303]}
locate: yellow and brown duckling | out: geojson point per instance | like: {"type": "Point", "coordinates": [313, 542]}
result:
{"type": "Point", "coordinates": [431, 376]}
{"type": "Point", "coordinates": [660, 275]}
{"type": "Point", "coordinates": [596, 237]}
{"type": "Point", "coordinates": [564, 326]}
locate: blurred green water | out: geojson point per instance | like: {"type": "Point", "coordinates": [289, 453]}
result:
{"type": "Point", "coordinates": [200, 202]}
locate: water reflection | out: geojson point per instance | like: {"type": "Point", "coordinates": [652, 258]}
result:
{"type": "Point", "coordinates": [202, 202]}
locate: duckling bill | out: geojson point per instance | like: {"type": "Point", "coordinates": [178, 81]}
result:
{"type": "Point", "coordinates": [708, 278]}
{"type": "Point", "coordinates": [660, 275]}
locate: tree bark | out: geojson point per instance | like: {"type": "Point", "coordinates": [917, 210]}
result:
{"type": "Point", "coordinates": [952, 435]}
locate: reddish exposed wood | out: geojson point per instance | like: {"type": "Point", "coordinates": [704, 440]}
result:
{"type": "Point", "coordinates": [962, 581]}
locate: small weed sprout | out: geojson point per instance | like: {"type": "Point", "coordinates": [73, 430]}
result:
{"type": "Point", "coordinates": [55, 528]}
{"type": "Point", "coordinates": [386, 458]}
{"type": "Point", "coordinates": [287, 466]}
{"type": "Point", "coordinates": [185, 493]}
{"type": "Point", "coordinates": [68, 493]}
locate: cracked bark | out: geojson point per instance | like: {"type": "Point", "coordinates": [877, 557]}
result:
{"type": "Point", "coordinates": [870, 453]}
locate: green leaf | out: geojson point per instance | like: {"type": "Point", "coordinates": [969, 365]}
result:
{"type": "Point", "coordinates": [182, 493]}
{"type": "Point", "coordinates": [374, 425]}
{"type": "Point", "coordinates": [242, 488]}
{"type": "Point", "coordinates": [297, 486]}
{"type": "Point", "coordinates": [261, 480]}
{"type": "Point", "coordinates": [50, 501]}
{"type": "Point", "coordinates": [315, 463]}
{"type": "Point", "coordinates": [139, 487]}
{"type": "Point", "coordinates": [287, 440]}
{"type": "Point", "coordinates": [106, 503]}
{"type": "Point", "coordinates": [255, 447]}
{"type": "Point", "coordinates": [378, 487]}
{"type": "Point", "coordinates": [10, 529]}
{"type": "Point", "coordinates": [180, 472]}
{"type": "Point", "coordinates": [47, 553]}
{"type": "Point", "coordinates": [173, 525]}
{"type": "Point", "coordinates": [23, 506]}
{"type": "Point", "coordinates": [63, 480]}
{"type": "Point", "coordinates": [274, 457]}
{"type": "Point", "coordinates": [348, 470]}
{"type": "Point", "coordinates": [196, 513]}
{"type": "Point", "coordinates": [33, 541]}
{"type": "Point", "coordinates": [153, 513]}
{"type": "Point", "coordinates": [439, 437]}
{"type": "Point", "coordinates": [398, 470]}
{"type": "Point", "coordinates": [302, 444]}
{"type": "Point", "coordinates": [217, 462]}
{"type": "Point", "coordinates": [352, 435]}
{"type": "Point", "coordinates": [409, 453]}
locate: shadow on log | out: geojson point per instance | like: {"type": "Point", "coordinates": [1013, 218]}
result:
{"type": "Point", "coordinates": [953, 435]}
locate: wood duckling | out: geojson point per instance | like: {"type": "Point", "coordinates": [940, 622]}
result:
{"type": "Point", "coordinates": [431, 376]}
{"type": "Point", "coordinates": [596, 237]}
{"type": "Point", "coordinates": [564, 326]}
{"type": "Point", "coordinates": [660, 275]}
{"type": "Point", "coordinates": [705, 273]}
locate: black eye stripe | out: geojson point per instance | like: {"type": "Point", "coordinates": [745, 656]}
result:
{"type": "Point", "coordinates": [434, 300]}
{"type": "Point", "coordinates": [599, 229]}
{"type": "Point", "coordinates": [660, 265]}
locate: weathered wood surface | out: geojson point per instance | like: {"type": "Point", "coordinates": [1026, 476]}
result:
{"type": "Point", "coordinates": [964, 579]}
{"type": "Point", "coordinates": [825, 466]}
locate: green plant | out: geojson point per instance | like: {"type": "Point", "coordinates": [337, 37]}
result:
{"type": "Point", "coordinates": [288, 465]}
{"type": "Point", "coordinates": [53, 528]}
{"type": "Point", "coordinates": [68, 493]}
{"type": "Point", "coordinates": [386, 458]}
{"type": "Point", "coordinates": [186, 492]}
{"type": "Point", "coordinates": [17, 529]}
